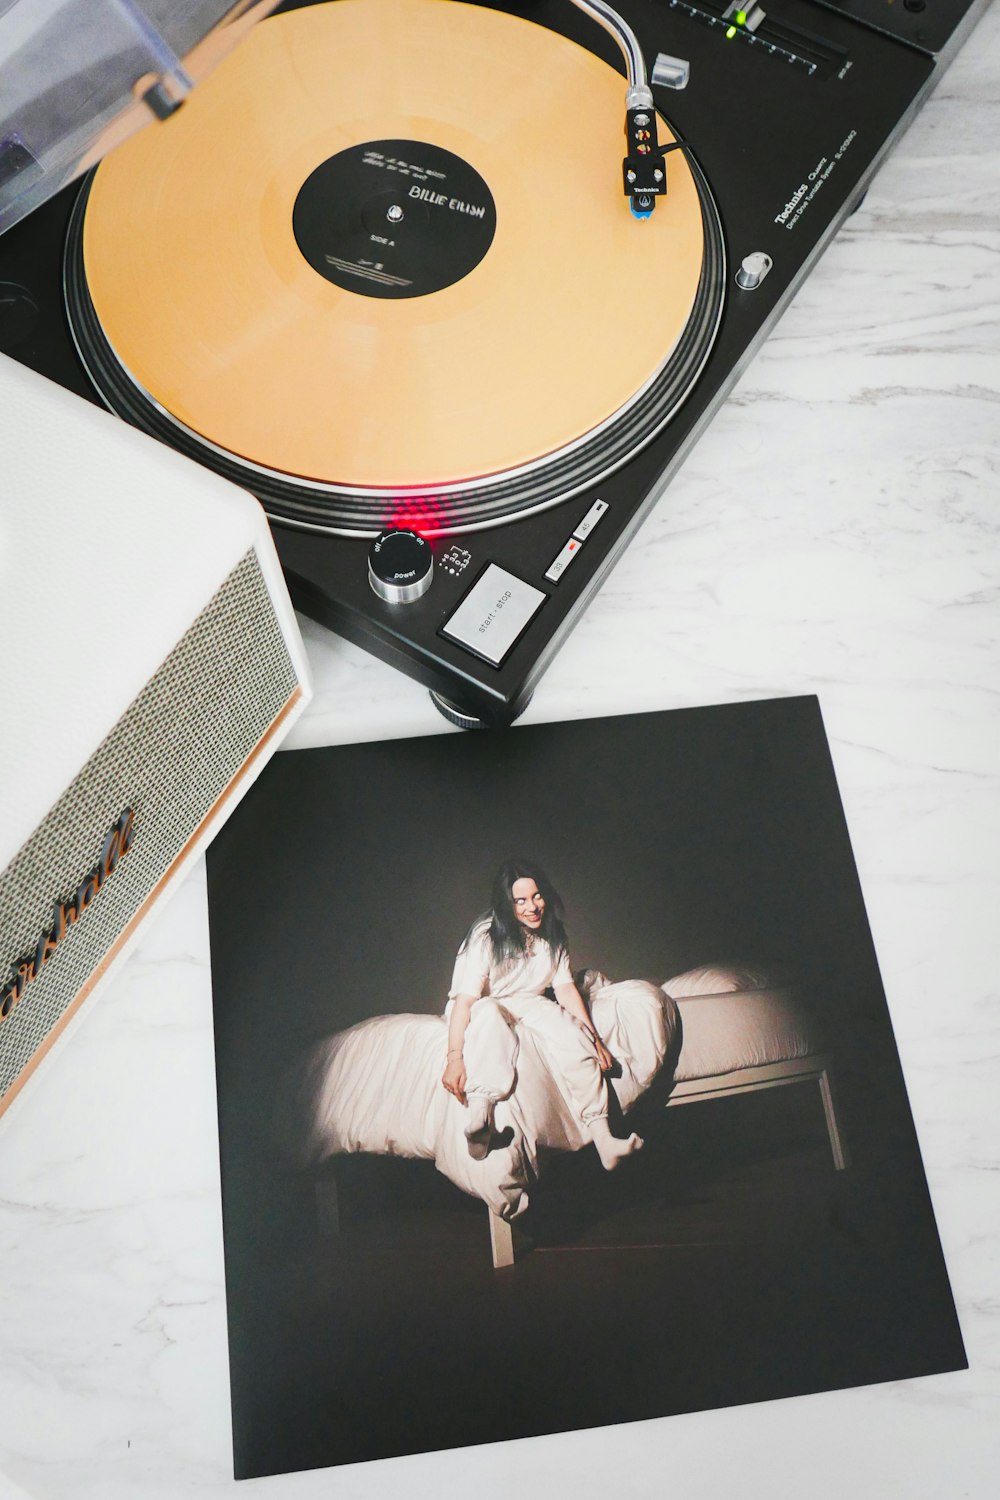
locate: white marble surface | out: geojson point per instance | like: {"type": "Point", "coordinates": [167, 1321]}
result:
{"type": "Point", "coordinates": [836, 531]}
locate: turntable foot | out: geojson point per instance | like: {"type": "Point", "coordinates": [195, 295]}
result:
{"type": "Point", "coordinates": [466, 720]}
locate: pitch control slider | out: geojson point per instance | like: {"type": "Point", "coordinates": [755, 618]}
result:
{"type": "Point", "coordinates": [747, 24]}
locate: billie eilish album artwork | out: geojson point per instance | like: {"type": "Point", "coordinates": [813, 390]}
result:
{"type": "Point", "coordinates": [557, 1088]}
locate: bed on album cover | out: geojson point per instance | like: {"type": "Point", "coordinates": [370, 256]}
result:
{"type": "Point", "coordinates": [709, 1033]}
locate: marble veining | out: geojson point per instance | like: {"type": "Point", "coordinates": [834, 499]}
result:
{"type": "Point", "coordinates": [836, 530]}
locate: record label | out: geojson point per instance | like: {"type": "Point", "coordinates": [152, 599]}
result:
{"type": "Point", "coordinates": [394, 218]}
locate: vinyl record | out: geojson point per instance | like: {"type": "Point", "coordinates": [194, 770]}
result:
{"type": "Point", "coordinates": [384, 251]}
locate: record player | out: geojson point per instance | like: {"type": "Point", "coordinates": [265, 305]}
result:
{"type": "Point", "coordinates": [453, 288]}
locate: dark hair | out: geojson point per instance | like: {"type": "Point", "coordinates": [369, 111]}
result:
{"type": "Point", "coordinates": [508, 939]}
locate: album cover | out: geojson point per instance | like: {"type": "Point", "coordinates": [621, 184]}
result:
{"type": "Point", "coordinates": [557, 1088]}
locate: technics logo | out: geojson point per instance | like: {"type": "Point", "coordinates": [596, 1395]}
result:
{"type": "Point", "coordinates": [792, 203]}
{"type": "Point", "coordinates": [116, 845]}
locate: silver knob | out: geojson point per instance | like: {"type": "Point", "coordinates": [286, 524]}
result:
{"type": "Point", "coordinates": [753, 269]}
{"type": "Point", "coordinates": [400, 566]}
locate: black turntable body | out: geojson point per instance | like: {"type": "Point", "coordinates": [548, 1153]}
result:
{"type": "Point", "coordinates": [786, 112]}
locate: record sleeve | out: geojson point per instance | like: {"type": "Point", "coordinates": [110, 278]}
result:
{"type": "Point", "coordinates": [405, 1274]}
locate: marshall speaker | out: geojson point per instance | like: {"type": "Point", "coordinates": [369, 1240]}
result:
{"type": "Point", "coordinates": [149, 665]}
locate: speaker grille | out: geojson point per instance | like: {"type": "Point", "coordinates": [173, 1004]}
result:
{"type": "Point", "coordinates": [169, 758]}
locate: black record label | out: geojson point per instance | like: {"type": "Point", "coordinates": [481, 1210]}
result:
{"type": "Point", "coordinates": [394, 219]}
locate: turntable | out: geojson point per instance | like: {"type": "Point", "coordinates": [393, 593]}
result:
{"type": "Point", "coordinates": [453, 296]}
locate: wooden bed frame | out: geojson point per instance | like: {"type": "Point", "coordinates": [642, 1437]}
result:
{"type": "Point", "coordinates": [812, 1069]}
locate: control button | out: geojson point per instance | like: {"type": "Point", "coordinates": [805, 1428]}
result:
{"type": "Point", "coordinates": [493, 613]}
{"type": "Point", "coordinates": [753, 270]}
{"type": "Point", "coordinates": [562, 562]}
{"type": "Point", "coordinates": [400, 566]}
{"type": "Point", "coordinates": [671, 72]}
{"type": "Point", "coordinates": [590, 520]}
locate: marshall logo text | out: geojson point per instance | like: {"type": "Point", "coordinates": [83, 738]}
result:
{"type": "Point", "coordinates": [67, 913]}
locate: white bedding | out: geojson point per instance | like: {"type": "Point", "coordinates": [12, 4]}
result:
{"type": "Point", "coordinates": [740, 1029]}
{"type": "Point", "coordinates": [377, 1087]}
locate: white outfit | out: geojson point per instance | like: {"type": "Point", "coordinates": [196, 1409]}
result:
{"type": "Point", "coordinates": [513, 996]}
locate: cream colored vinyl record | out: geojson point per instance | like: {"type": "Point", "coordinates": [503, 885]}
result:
{"type": "Point", "coordinates": [386, 245]}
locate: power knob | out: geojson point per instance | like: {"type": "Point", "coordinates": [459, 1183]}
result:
{"type": "Point", "coordinates": [400, 566]}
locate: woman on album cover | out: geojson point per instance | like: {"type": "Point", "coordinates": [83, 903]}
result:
{"type": "Point", "coordinates": [510, 958]}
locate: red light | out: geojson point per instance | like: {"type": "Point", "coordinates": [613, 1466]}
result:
{"type": "Point", "coordinates": [424, 515]}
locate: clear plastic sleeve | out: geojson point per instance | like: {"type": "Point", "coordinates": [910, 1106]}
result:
{"type": "Point", "coordinates": [78, 76]}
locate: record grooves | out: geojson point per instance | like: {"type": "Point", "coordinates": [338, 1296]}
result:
{"type": "Point", "coordinates": [471, 505]}
{"type": "Point", "coordinates": [381, 271]}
